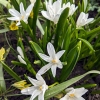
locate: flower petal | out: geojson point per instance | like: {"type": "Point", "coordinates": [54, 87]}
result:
{"type": "Point", "coordinates": [46, 15]}
{"type": "Point", "coordinates": [34, 94]}
{"type": "Point", "coordinates": [89, 20]}
{"type": "Point", "coordinates": [41, 96]}
{"type": "Point", "coordinates": [39, 77]}
{"type": "Point", "coordinates": [59, 65]}
{"type": "Point", "coordinates": [34, 82]}
{"type": "Point", "coordinates": [29, 9]}
{"type": "Point", "coordinates": [13, 18]}
{"type": "Point", "coordinates": [66, 97]}
{"type": "Point", "coordinates": [80, 91]}
{"type": "Point", "coordinates": [60, 53]}
{"type": "Point", "coordinates": [53, 69]}
{"type": "Point", "coordinates": [44, 69]}
{"type": "Point", "coordinates": [28, 91]}
{"type": "Point", "coordinates": [22, 11]}
{"type": "Point", "coordinates": [44, 57]}
{"type": "Point", "coordinates": [21, 59]}
{"type": "Point", "coordinates": [51, 50]}
{"type": "Point", "coordinates": [14, 13]}
{"type": "Point", "coordinates": [19, 49]}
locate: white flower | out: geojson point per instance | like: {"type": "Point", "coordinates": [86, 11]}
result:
{"type": "Point", "coordinates": [71, 7]}
{"type": "Point", "coordinates": [74, 94]}
{"type": "Point", "coordinates": [21, 55]}
{"type": "Point", "coordinates": [83, 20]}
{"type": "Point", "coordinates": [22, 15]}
{"type": "Point", "coordinates": [54, 10]}
{"type": "Point", "coordinates": [38, 89]}
{"type": "Point", "coordinates": [33, 1]}
{"type": "Point", "coordinates": [53, 60]}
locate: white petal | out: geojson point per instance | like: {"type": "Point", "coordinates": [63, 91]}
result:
{"type": "Point", "coordinates": [60, 53]}
{"type": "Point", "coordinates": [56, 6]}
{"type": "Point", "coordinates": [13, 18]}
{"type": "Point", "coordinates": [66, 97]}
{"type": "Point", "coordinates": [29, 9]}
{"type": "Point", "coordinates": [80, 98]}
{"type": "Point", "coordinates": [69, 89]}
{"type": "Point", "coordinates": [81, 16]}
{"type": "Point", "coordinates": [41, 96]}
{"type": "Point", "coordinates": [39, 77]}
{"type": "Point", "coordinates": [19, 49]}
{"type": "Point", "coordinates": [28, 91]}
{"type": "Point", "coordinates": [59, 65]}
{"type": "Point", "coordinates": [44, 69]}
{"type": "Point", "coordinates": [80, 91]}
{"type": "Point", "coordinates": [21, 59]}
{"type": "Point", "coordinates": [46, 15]}
{"type": "Point", "coordinates": [51, 50]}
{"type": "Point", "coordinates": [34, 82]}
{"type": "Point", "coordinates": [14, 13]}
{"type": "Point", "coordinates": [89, 20]}
{"type": "Point", "coordinates": [34, 94]}
{"type": "Point", "coordinates": [53, 69]}
{"type": "Point", "coordinates": [22, 11]}
{"type": "Point", "coordinates": [44, 57]}
{"type": "Point", "coordinates": [33, 1]}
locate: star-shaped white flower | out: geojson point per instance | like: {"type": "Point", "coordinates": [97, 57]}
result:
{"type": "Point", "coordinates": [22, 15]}
{"type": "Point", "coordinates": [21, 55]}
{"type": "Point", "coordinates": [53, 60]}
{"type": "Point", "coordinates": [54, 11]}
{"type": "Point", "coordinates": [71, 7]}
{"type": "Point", "coordinates": [38, 89]}
{"type": "Point", "coordinates": [74, 94]}
{"type": "Point", "coordinates": [83, 20]}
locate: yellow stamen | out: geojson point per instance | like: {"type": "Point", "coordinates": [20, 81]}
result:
{"type": "Point", "coordinates": [72, 95]}
{"type": "Point", "coordinates": [54, 61]}
{"type": "Point", "coordinates": [13, 26]}
{"type": "Point", "coordinates": [40, 88]}
{"type": "Point", "coordinates": [2, 52]}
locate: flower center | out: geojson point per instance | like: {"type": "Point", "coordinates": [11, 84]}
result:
{"type": "Point", "coordinates": [40, 87]}
{"type": "Point", "coordinates": [22, 17]}
{"type": "Point", "coordinates": [54, 61]}
{"type": "Point", "coordinates": [72, 95]}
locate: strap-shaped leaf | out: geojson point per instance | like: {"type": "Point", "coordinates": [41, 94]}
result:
{"type": "Point", "coordinates": [11, 72]}
{"type": "Point", "coordinates": [71, 59]}
{"type": "Point", "coordinates": [2, 81]}
{"type": "Point", "coordinates": [87, 44]}
{"type": "Point", "coordinates": [60, 25]}
{"type": "Point", "coordinates": [15, 4]}
{"type": "Point", "coordinates": [35, 11]}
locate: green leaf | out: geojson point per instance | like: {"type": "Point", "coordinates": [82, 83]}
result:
{"type": "Point", "coordinates": [94, 31]}
{"type": "Point", "coordinates": [5, 3]}
{"type": "Point", "coordinates": [71, 59]}
{"type": "Point", "coordinates": [36, 48]}
{"type": "Point", "coordinates": [87, 44]}
{"type": "Point", "coordinates": [35, 11]}
{"type": "Point", "coordinates": [11, 72]}
{"type": "Point", "coordinates": [2, 81]}
{"type": "Point", "coordinates": [60, 25]}
{"type": "Point", "coordinates": [60, 87]}
{"type": "Point", "coordinates": [85, 4]}
{"type": "Point", "coordinates": [15, 4]}
{"type": "Point", "coordinates": [4, 30]}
